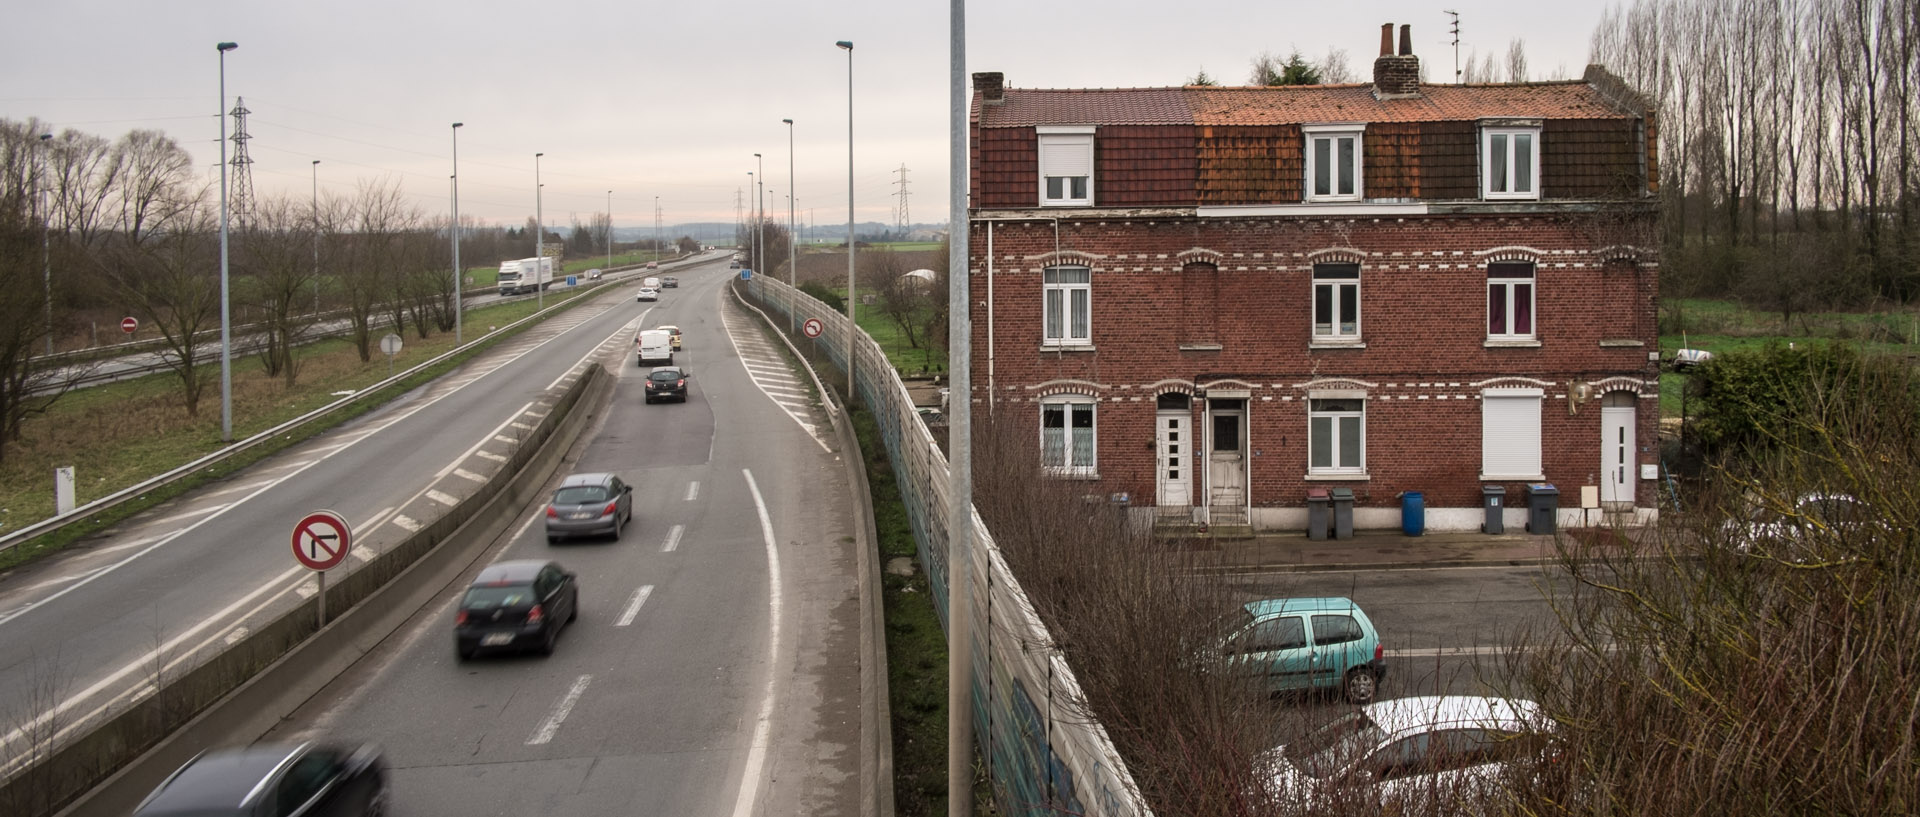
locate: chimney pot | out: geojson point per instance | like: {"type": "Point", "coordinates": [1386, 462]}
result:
{"type": "Point", "coordinates": [1386, 40]}
{"type": "Point", "coordinates": [1406, 41]}
{"type": "Point", "coordinates": [991, 85]}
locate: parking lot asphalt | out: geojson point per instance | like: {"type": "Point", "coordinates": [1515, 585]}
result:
{"type": "Point", "coordinates": [1383, 549]}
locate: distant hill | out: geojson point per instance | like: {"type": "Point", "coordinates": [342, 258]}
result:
{"type": "Point", "coordinates": [721, 232]}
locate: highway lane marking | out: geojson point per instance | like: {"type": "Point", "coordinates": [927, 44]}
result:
{"type": "Point", "coordinates": [693, 490]}
{"type": "Point", "coordinates": [560, 712]}
{"type": "Point", "coordinates": [633, 607]}
{"type": "Point", "coordinates": [234, 635]}
{"type": "Point", "coordinates": [506, 439]}
{"type": "Point", "coordinates": [747, 364]}
{"type": "Point", "coordinates": [185, 515]}
{"type": "Point", "coordinates": [673, 539]}
{"type": "Point", "coordinates": [483, 441]}
{"type": "Point", "coordinates": [468, 475]}
{"type": "Point", "coordinates": [527, 524]}
{"type": "Point", "coordinates": [522, 426]}
{"type": "Point", "coordinates": [407, 522]}
{"type": "Point", "coordinates": [441, 498]}
{"type": "Point", "coordinates": [56, 582]}
{"type": "Point", "coordinates": [237, 488]}
{"type": "Point", "coordinates": [377, 518]}
{"type": "Point", "coordinates": [628, 327]}
{"type": "Point", "coordinates": [489, 455]}
{"type": "Point", "coordinates": [763, 725]}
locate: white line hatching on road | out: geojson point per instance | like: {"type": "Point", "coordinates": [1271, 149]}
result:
{"type": "Point", "coordinates": [763, 725]}
{"type": "Point", "coordinates": [633, 607]}
{"type": "Point", "coordinates": [560, 712]}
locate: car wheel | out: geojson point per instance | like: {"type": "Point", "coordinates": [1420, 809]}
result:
{"type": "Point", "coordinates": [552, 540]}
{"type": "Point", "coordinates": [463, 653]}
{"type": "Point", "coordinates": [1360, 685]}
{"type": "Point", "coordinates": [377, 804]}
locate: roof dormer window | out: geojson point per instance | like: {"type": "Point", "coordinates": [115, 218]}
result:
{"type": "Point", "coordinates": [1066, 166]}
{"type": "Point", "coordinates": [1333, 162]}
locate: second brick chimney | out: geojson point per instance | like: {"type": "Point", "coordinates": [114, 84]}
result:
{"type": "Point", "coordinates": [991, 85]}
{"type": "Point", "coordinates": [1396, 75]}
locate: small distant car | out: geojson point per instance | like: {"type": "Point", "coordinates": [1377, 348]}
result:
{"type": "Point", "coordinates": [734, 264]}
{"type": "Point", "coordinates": [653, 265]}
{"type": "Point", "coordinates": [1411, 754]}
{"type": "Point", "coordinates": [667, 383]}
{"type": "Point", "coordinates": [589, 505]}
{"type": "Point", "coordinates": [593, 275]}
{"type": "Point", "coordinates": [1684, 359]}
{"type": "Point", "coordinates": [1306, 643]}
{"type": "Point", "coordinates": [1796, 532]}
{"type": "Point", "coordinates": [670, 282]}
{"type": "Point", "coordinates": [667, 327]}
{"type": "Point", "coordinates": [317, 779]}
{"type": "Point", "coordinates": [648, 294]}
{"type": "Point", "coordinates": [515, 605]}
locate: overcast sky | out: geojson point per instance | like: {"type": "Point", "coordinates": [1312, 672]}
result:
{"type": "Point", "coordinates": [667, 99]}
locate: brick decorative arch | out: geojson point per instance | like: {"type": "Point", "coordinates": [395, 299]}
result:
{"type": "Point", "coordinates": [1519, 254]}
{"type": "Point", "coordinates": [1513, 380]}
{"type": "Point", "coordinates": [1083, 387]}
{"type": "Point", "coordinates": [1186, 387]}
{"type": "Point", "coordinates": [1630, 384]}
{"type": "Point", "coordinates": [1200, 255]}
{"type": "Point", "coordinates": [1337, 255]}
{"type": "Point", "coordinates": [1335, 383]}
{"type": "Point", "coordinates": [1057, 257]}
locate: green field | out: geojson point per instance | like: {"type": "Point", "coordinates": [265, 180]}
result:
{"type": "Point", "coordinates": [1721, 327]}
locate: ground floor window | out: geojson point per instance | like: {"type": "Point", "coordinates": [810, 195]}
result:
{"type": "Point", "coordinates": [1337, 436]}
{"type": "Point", "coordinates": [1066, 435]}
{"type": "Point", "coordinates": [1510, 434]}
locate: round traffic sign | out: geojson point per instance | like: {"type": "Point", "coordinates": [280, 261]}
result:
{"type": "Point", "coordinates": [321, 540]}
{"type": "Point", "coordinates": [390, 345]}
{"type": "Point", "coordinates": [127, 325]}
{"type": "Point", "coordinates": [813, 327]}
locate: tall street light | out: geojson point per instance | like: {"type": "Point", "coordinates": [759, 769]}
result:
{"type": "Point", "coordinates": [759, 221]}
{"type": "Point", "coordinates": [316, 236]}
{"type": "Point", "coordinates": [46, 232]}
{"type": "Point", "coordinates": [850, 279]}
{"type": "Point", "coordinates": [539, 238]}
{"type": "Point", "coordinates": [752, 202]}
{"type": "Point", "coordinates": [609, 229]}
{"type": "Point", "coordinates": [793, 250]}
{"type": "Point", "coordinates": [458, 307]}
{"type": "Point", "coordinates": [656, 230]}
{"type": "Point", "coordinates": [960, 432]}
{"type": "Point", "coordinates": [226, 331]}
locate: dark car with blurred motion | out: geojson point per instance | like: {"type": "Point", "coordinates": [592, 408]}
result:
{"type": "Point", "coordinates": [514, 606]}
{"type": "Point", "coordinates": [269, 780]}
{"type": "Point", "coordinates": [667, 383]}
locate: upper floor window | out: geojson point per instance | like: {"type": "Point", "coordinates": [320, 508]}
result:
{"type": "Point", "coordinates": [1066, 166]}
{"type": "Point", "coordinates": [1068, 293]}
{"type": "Point", "coordinates": [1510, 302]}
{"type": "Point", "coordinates": [1336, 302]}
{"type": "Point", "coordinates": [1333, 163]}
{"type": "Point", "coordinates": [1066, 435]}
{"type": "Point", "coordinates": [1511, 167]}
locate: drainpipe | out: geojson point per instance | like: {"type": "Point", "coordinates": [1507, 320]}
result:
{"type": "Point", "coordinates": [990, 389]}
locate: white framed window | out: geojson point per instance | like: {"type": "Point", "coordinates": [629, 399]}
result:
{"type": "Point", "coordinates": [1510, 434]}
{"type": "Point", "coordinates": [1336, 302]}
{"type": "Point", "coordinates": [1510, 166]}
{"type": "Point", "coordinates": [1066, 166]}
{"type": "Point", "coordinates": [1510, 301]}
{"type": "Point", "coordinates": [1068, 307]}
{"type": "Point", "coordinates": [1337, 435]}
{"type": "Point", "coordinates": [1067, 435]}
{"type": "Point", "coordinates": [1333, 162]}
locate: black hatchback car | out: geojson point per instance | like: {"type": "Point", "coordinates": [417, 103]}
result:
{"type": "Point", "coordinates": [515, 605]}
{"type": "Point", "coordinates": [317, 779]}
{"type": "Point", "coordinates": [667, 383]}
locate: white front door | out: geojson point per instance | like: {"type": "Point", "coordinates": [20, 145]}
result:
{"type": "Point", "coordinates": [1227, 455]}
{"type": "Point", "coordinates": [1174, 441]}
{"type": "Point", "coordinates": [1616, 449]}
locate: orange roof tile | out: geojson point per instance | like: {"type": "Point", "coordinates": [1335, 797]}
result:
{"type": "Point", "coordinates": [1025, 107]}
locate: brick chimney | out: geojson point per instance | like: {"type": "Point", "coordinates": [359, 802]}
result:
{"type": "Point", "coordinates": [1396, 75]}
{"type": "Point", "coordinates": [991, 85]}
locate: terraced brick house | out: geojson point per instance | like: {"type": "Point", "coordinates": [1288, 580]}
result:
{"type": "Point", "coordinates": [1210, 300]}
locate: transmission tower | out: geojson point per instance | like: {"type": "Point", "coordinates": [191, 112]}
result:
{"type": "Point", "coordinates": [242, 203]}
{"type": "Point", "coordinates": [901, 219]}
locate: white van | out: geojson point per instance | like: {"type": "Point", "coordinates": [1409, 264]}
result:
{"type": "Point", "coordinates": [650, 283]}
{"type": "Point", "coordinates": [653, 346]}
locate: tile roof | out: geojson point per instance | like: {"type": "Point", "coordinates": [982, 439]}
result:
{"type": "Point", "coordinates": [1283, 105]}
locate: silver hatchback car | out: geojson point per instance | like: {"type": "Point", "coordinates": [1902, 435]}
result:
{"type": "Point", "coordinates": [589, 505]}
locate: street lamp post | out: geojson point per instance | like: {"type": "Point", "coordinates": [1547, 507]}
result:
{"type": "Point", "coordinates": [793, 250]}
{"type": "Point", "coordinates": [850, 278]}
{"type": "Point", "coordinates": [226, 330]}
{"type": "Point", "coordinates": [609, 229]}
{"type": "Point", "coordinates": [46, 233]}
{"type": "Point", "coordinates": [656, 230]}
{"type": "Point", "coordinates": [316, 236]}
{"type": "Point", "coordinates": [458, 307]}
{"type": "Point", "coordinates": [539, 238]}
{"type": "Point", "coordinates": [759, 221]}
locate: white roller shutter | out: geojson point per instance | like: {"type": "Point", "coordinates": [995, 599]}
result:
{"type": "Point", "coordinates": [1066, 155]}
{"type": "Point", "coordinates": [1510, 434]}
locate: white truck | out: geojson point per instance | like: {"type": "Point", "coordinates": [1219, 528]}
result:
{"type": "Point", "coordinates": [526, 275]}
{"type": "Point", "coordinates": [653, 346]}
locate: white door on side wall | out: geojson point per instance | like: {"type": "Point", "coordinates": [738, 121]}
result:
{"type": "Point", "coordinates": [1174, 439]}
{"type": "Point", "coordinates": [1617, 458]}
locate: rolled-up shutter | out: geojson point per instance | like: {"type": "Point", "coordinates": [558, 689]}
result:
{"type": "Point", "coordinates": [1510, 433]}
{"type": "Point", "coordinates": [1066, 155]}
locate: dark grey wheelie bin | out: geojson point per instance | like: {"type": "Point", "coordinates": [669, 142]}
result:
{"type": "Point", "coordinates": [1493, 501]}
{"type": "Point", "coordinates": [1542, 501]}
{"type": "Point", "coordinates": [1317, 501]}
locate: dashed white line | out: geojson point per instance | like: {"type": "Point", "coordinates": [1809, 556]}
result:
{"type": "Point", "coordinates": [468, 475]}
{"type": "Point", "coordinates": [441, 498]}
{"type": "Point", "coordinates": [693, 490]}
{"type": "Point", "coordinates": [523, 426]}
{"type": "Point", "coordinates": [560, 712]}
{"type": "Point", "coordinates": [673, 539]}
{"type": "Point", "coordinates": [407, 522]}
{"type": "Point", "coordinates": [489, 455]}
{"type": "Point", "coordinates": [506, 439]}
{"type": "Point", "coordinates": [237, 633]}
{"type": "Point", "coordinates": [187, 514]}
{"type": "Point", "coordinates": [633, 606]}
{"type": "Point", "coordinates": [483, 441]}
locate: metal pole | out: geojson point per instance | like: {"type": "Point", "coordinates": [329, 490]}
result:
{"type": "Point", "coordinates": [656, 229]}
{"type": "Point", "coordinates": [458, 307]}
{"type": "Point", "coordinates": [609, 231]}
{"type": "Point", "coordinates": [316, 236]}
{"type": "Point", "coordinates": [46, 233]}
{"type": "Point", "coordinates": [793, 250]}
{"type": "Point", "coordinates": [539, 238]}
{"type": "Point", "coordinates": [959, 440]}
{"type": "Point", "coordinates": [760, 219]}
{"type": "Point", "coordinates": [226, 330]}
{"type": "Point", "coordinates": [851, 325]}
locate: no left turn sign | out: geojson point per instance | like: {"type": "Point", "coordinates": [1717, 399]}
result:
{"type": "Point", "coordinates": [813, 327]}
{"type": "Point", "coordinates": [321, 539]}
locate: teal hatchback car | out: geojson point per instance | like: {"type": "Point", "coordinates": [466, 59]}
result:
{"type": "Point", "coordinates": [1307, 643]}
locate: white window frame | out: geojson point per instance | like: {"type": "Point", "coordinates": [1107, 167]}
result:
{"type": "Point", "coordinates": [1498, 145]}
{"type": "Point", "coordinates": [1066, 152]}
{"type": "Point", "coordinates": [1341, 290]}
{"type": "Point", "coordinates": [1059, 295]}
{"type": "Point", "coordinates": [1510, 434]}
{"type": "Point", "coordinates": [1068, 464]}
{"type": "Point", "coordinates": [1333, 135]}
{"type": "Point", "coordinates": [1316, 412]}
{"type": "Point", "coordinates": [1510, 301]}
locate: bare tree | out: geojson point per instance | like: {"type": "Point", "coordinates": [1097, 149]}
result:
{"type": "Point", "coordinates": [171, 279]}
{"type": "Point", "coordinates": [276, 255]}
{"type": "Point", "coordinates": [1517, 61]}
{"type": "Point", "coordinates": [1334, 68]}
{"type": "Point", "coordinates": [381, 216]}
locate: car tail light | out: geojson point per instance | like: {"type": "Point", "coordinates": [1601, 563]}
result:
{"type": "Point", "coordinates": [1379, 652]}
{"type": "Point", "coordinates": [460, 618]}
{"type": "Point", "coordinates": [611, 507]}
{"type": "Point", "coordinates": [551, 513]}
{"type": "Point", "coordinates": [649, 385]}
{"type": "Point", "coordinates": [533, 615]}
{"type": "Point", "coordinates": [682, 382]}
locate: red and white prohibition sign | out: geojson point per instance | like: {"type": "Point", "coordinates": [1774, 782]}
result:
{"type": "Point", "coordinates": [813, 327]}
{"type": "Point", "coordinates": [321, 539]}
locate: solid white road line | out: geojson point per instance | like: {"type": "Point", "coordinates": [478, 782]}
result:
{"type": "Point", "coordinates": [484, 439]}
{"type": "Point", "coordinates": [527, 524]}
{"type": "Point", "coordinates": [560, 712]}
{"type": "Point", "coordinates": [633, 607]}
{"type": "Point", "coordinates": [569, 371]}
{"type": "Point", "coordinates": [763, 725]}
{"type": "Point", "coordinates": [673, 539]}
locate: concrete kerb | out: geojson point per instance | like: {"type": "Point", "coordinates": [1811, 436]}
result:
{"type": "Point", "coordinates": [247, 704]}
{"type": "Point", "coordinates": [876, 720]}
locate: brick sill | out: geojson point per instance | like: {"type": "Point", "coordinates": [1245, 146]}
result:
{"type": "Point", "coordinates": [1511, 344]}
{"type": "Point", "coordinates": [1336, 345]}
{"type": "Point", "coordinates": [1201, 347]}
{"type": "Point", "coordinates": [1622, 344]}
{"type": "Point", "coordinates": [1078, 476]}
{"type": "Point", "coordinates": [1338, 477]}
{"type": "Point", "coordinates": [1062, 348]}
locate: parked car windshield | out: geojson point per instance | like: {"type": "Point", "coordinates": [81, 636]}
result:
{"type": "Point", "coordinates": [1331, 748]}
{"type": "Point", "coordinates": [487, 598]}
{"type": "Point", "coordinates": [579, 495]}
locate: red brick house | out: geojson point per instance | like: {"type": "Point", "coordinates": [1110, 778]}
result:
{"type": "Point", "coordinates": [1211, 300]}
